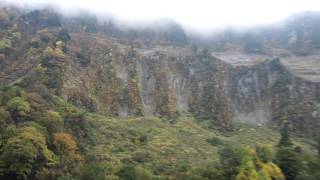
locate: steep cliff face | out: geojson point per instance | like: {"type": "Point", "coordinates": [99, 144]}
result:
{"type": "Point", "coordinates": [117, 79]}
{"type": "Point", "coordinates": [268, 93]}
{"type": "Point", "coordinates": [251, 91]}
{"type": "Point", "coordinates": [105, 74]}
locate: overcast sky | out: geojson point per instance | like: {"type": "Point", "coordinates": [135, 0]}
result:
{"type": "Point", "coordinates": [199, 14]}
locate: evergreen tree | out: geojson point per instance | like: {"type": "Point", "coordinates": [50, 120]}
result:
{"type": "Point", "coordinates": [287, 156]}
{"type": "Point", "coordinates": [285, 140]}
{"type": "Point", "coordinates": [289, 162]}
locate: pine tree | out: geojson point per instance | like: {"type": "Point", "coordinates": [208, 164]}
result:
{"type": "Point", "coordinates": [287, 157]}
{"type": "Point", "coordinates": [289, 162]}
{"type": "Point", "coordinates": [285, 140]}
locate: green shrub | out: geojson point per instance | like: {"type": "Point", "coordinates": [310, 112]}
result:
{"type": "Point", "coordinates": [215, 141]}
{"type": "Point", "coordinates": [35, 42]}
{"type": "Point", "coordinates": [16, 36]}
{"type": "Point", "coordinates": [19, 108]}
{"type": "Point", "coordinates": [45, 35]}
{"type": "Point", "coordinates": [129, 172]}
{"type": "Point", "coordinates": [6, 46]}
{"type": "Point", "coordinates": [9, 92]}
{"type": "Point", "coordinates": [97, 171]}
{"type": "Point", "coordinates": [143, 139]}
{"type": "Point", "coordinates": [265, 153]}
{"type": "Point", "coordinates": [143, 174]}
{"type": "Point", "coordinates": [52, 121]}
{"type": "Point", "coordinates": [141, 156]}
{"type": "Point", "coordinates": [48, 53]}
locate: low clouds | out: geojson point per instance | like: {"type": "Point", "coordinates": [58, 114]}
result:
{"type": "Point", "coordinates": [197, 14]}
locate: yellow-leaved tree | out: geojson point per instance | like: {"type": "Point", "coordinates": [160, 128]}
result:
{"type": "Point", "coordinates": [25, 154]}
{"type": "Point", "coordinates": [67, 148]}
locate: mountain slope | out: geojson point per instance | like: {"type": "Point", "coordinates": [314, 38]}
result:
{"type": "Point", "coordinates": [111, 75]}
{"type": "Point", "coordinates": [81, 99]}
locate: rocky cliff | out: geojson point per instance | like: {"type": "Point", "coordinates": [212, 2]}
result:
{"type": "Point", "coordinates": [269, 93]}
{"type": "Point", "coordinates": [129, 74]}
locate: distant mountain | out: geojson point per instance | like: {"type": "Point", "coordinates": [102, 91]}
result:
{"type": "Point", "coordinates": [297, 34]}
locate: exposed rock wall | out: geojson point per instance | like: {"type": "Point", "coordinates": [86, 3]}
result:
{"type": "Point", "coordinates": [268, 93]}
{"type": "Point", "coordinates": [125, 81]}
{"type": "Point", "coordinates": [112, 77]}
{"type": "Point", "coordinates": [120, 80]}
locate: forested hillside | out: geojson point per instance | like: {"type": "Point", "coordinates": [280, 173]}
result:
{"type": "Point", "coordinates": [83, 99]}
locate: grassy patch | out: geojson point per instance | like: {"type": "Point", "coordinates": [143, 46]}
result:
{"type": "Point", "coordinates": [156, 143]}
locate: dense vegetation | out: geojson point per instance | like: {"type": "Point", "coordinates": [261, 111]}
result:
{"type": "Point", "coordinates": [44, 136]}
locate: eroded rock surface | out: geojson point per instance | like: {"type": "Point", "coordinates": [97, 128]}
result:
{"type": "Point", "coordinates": [121, 77]}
